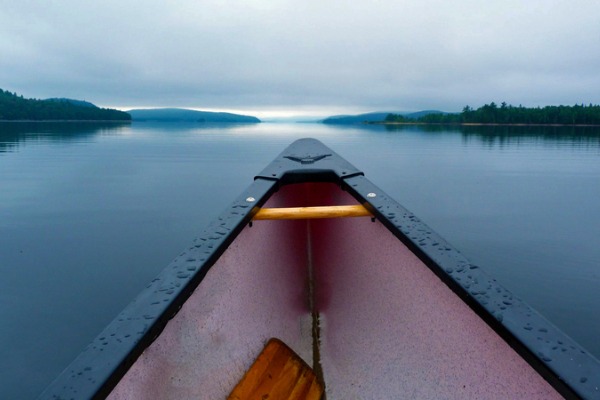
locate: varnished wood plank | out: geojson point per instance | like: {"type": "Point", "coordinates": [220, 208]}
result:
{"type": "Point", "coordinates": [312, 212]}
{"type": "Point", "coordinates": [278, 374]}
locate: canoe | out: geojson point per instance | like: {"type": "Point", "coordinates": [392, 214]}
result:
{"type": "Point", "coordinates": [377, 304]}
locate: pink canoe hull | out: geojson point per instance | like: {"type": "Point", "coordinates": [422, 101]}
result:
{"type": "Point", "coordinates": [389, 327]}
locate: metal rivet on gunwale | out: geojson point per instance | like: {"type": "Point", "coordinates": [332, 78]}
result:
{"type": "Point", "coordinates": [371, 195]}
{"type": "Point", "coordinates": [250, 199]}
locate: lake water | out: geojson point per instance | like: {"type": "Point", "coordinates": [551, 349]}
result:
{"type": "Point", "coordinates": [90, 213]}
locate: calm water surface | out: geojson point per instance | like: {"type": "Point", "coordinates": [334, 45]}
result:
{"type": "Point", "coordinates": [90, 213]}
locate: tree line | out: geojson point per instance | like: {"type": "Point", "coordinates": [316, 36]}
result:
{"type": "Point", "coordinates": [14, 107]}
{"type": "Point", "coordinates": [508, 114]}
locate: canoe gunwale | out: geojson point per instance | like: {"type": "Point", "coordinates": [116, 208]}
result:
{"type": "Point", "coordinates": [96, 371]}
{"type": "Point", "coordinates": [567, 367]}
{"type": "Point", "coordinates": [102, 364]}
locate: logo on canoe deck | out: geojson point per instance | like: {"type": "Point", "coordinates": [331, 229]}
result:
{"type": "Point", "coordinates": [308, 159]}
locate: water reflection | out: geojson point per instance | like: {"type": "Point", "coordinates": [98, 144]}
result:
{"type": "Point", "coordinates": [81, 235]}
{"type": "Point", "coordinates": [510, 134]}
{"type": "Point", "coordinates": [191, 125]}
{"type": "Point", "coordinates": [15, 134]}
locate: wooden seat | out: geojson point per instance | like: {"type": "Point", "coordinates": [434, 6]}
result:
{"type": "Point", "coordinates": [278, 374]}
{"type": "Point", "coordinates": [312, 212]}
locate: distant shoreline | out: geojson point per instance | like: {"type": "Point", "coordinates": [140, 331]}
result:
{"type": "Point", "coordinates": [474, 124]}
{"type": "Point", "coordinates": [112, 121]}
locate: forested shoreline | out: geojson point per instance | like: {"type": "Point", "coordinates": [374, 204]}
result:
{"type": "Point", "coordinates": [510, 115]}
{"type": "Point", "coordinates": [17, 108]}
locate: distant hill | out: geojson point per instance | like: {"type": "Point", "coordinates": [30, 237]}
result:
{"type": "Point", "coordinates": [421, 114]}
{"type": "Point", "coordinates": [378, 116]}
{"type": "Point", "coordinates": [80, 103]}
{"type": "Point", "coordinates": [17, 108]}
{"type": "Point", "coordinates": [506, 114]}
{"type": "Point", "coordinates": [185, 115]}
{"type": "Point", "coordinates": [355, 119]}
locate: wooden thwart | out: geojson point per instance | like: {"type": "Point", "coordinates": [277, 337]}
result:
{"type": "Point", "coordinates": [278, 374]}
{"type": "Point", "coordinates": [312, 212]}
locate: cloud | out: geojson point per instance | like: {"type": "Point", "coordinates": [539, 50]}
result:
{"type": "Point", "coordinates": [249, 54]}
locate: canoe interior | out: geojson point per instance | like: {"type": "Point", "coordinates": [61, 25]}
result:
{"type": "Point", "coordinates": [348, 297]}
{"type": "Point", "coordinates": [375, 319]}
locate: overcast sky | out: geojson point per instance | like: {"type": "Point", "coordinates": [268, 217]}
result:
{"type": "Point", "coordinates": [303, 56]}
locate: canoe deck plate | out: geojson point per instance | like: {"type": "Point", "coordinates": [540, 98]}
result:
{"type": "Point", "coordinates": [308, 159]}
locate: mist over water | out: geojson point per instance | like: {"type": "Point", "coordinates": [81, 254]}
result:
{"type": "Point", "coordinates": [90, 213]}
